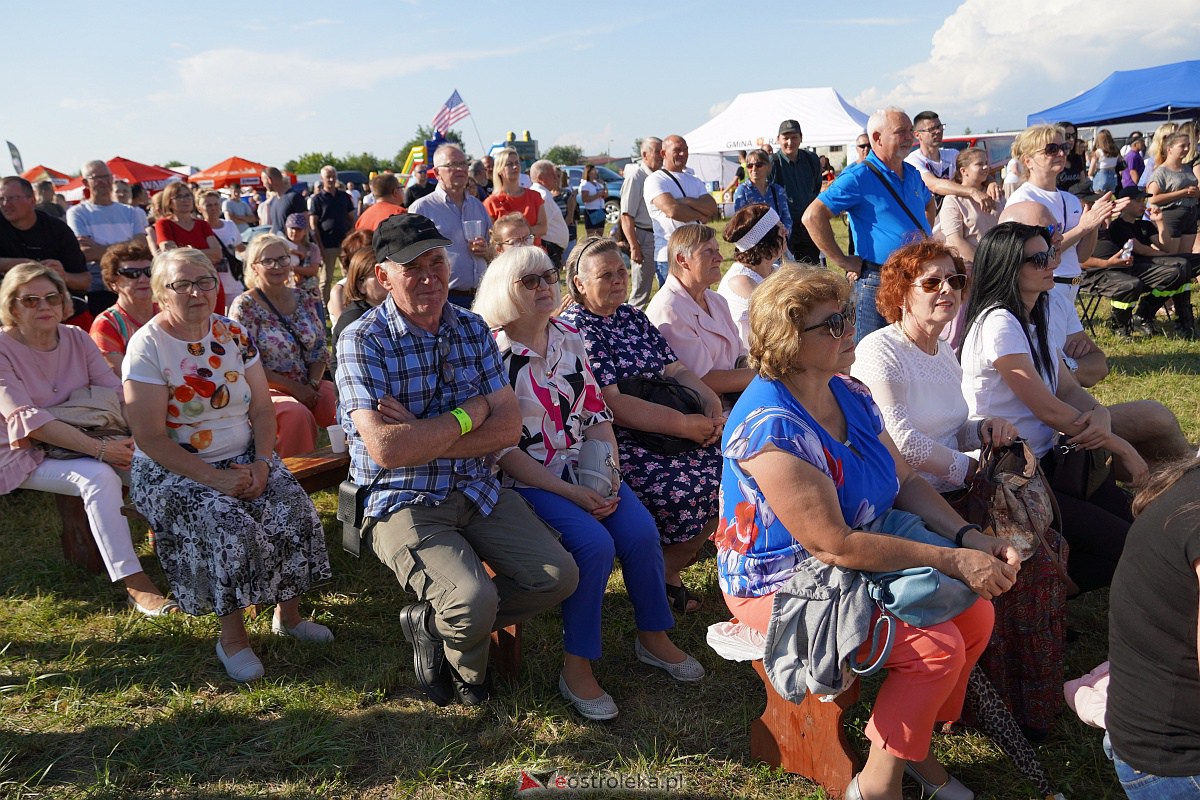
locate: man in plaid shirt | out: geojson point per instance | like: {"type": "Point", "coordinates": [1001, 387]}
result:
{"type": "Point", "coordinates": [425, 405]}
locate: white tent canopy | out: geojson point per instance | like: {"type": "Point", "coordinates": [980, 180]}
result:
{"type": "Point", "coordinates": [753, 118]}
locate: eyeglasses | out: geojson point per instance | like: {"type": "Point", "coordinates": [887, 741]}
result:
{"type": "Point", "coordinates": [753, 164]}
{"type": "Point", "coordinates": [864, 146]}
{"type": "Point", "coordinates": [531, 282]}
{"type": "Point", "coordinates": [1042, 260]}
{"type": "Point", "coordinates": [1070, 136]}
{"type": "Point", "coordinates": [282, 262]}
{"type": "Point", "coordinates": [205, 284]}
{"type": "Point", "coordinates": [98, 178]}
{"type": "Point", "coordinates": [455, 165]}
{"type": "Point", "coordinates": [35, 300]}
{"type": "Point", "coordinates": [932, 284]}
{"type": "Point", "coordinates": [836, 323]}
{"type": "Point", "coordinates": [931, 129]}
{"type": "Point", "coordinates": [1057, 227]}
{"type": "Point", "coordinates": [519, 241]}
{"type": "Point", "coordinates": [1054, 149]}
{"type": "Point", "coordinates": [133, 273]}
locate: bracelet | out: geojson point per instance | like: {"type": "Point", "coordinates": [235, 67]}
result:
{"type": "Point", "coordinates": [464, 421]}
{"type": "Point", "coordinates": [958, 537]}
{"type": "Point", "coordinates": [266, 459]}
{"type": "Point", "coordinates": [103, 446]}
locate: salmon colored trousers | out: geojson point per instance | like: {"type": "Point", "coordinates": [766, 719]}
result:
{"type": "Point", "coordinates": [297, 425]}
{"type": "Point", "coordinates": [926, 673]}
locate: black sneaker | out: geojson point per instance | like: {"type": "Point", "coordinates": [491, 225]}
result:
{"type": "Point", "coordinates": [472, 694]}
{"type": "Point", "coordinates": [429, 657]}
{"type": "Point", "coordinates": [1142, 326]}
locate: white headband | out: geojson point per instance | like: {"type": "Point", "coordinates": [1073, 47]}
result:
{"type": "Point", "coordinates": [766, 223]}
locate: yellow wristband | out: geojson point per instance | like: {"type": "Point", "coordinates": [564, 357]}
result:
{"type": "Point", "coordinates": [464, 421]}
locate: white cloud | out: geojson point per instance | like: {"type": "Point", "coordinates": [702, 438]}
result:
{"type": "Point", "coordinates": [991, 64]}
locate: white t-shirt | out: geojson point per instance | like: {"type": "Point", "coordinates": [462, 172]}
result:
{"type": "Point", "coordinates": [920, 397]}
{"type": "Point", "coordinates": [556, 226]}
{"type": "Point", "coordinates": [1014, 172]}
{"type": "Point", "coordinates": [941, 168]}
{"type": "Point", "coordinates": [1066, 209]}
{"type": "Point", "coordinates": [987, 395]}
{"type": "Point", "coordinates": [660, 182]}
{"type": "Point", "coordinates": [208, 398]}
{"type": "Point", "coordinates": [596, 188]}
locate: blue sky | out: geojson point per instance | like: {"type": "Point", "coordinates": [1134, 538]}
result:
{"type": "Point", "coordinates": [202, 81]}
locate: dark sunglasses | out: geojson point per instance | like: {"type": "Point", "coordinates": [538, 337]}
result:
{"type": "Point", "coordinates": [531, 282]}
{"type": "Point", "coordinates": [1042, 260]}
{"type": "Point", "coordinates": [863, 146]}
{"type": "Point", "coordinates": [1054, 149]}
{"type": "Point", "coordinates": [957, 282]}
{"type": "Point", "coordinates": [753, 164]}
{"type": "Point", "coordinates": [133, 273]}
{"type": "Point", "coordinates": [836, 322]}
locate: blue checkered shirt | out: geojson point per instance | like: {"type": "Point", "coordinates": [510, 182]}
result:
{"type": "Point", "coordinates": [381, 354]}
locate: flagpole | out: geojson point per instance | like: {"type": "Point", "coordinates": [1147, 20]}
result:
{"type": "Point", "coordinates": [482, 146]}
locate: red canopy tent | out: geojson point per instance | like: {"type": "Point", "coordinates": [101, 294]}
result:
{"type": "Point", "coordinates": [43, 173]}
{"type": "Point", "coordinates": [233, 171]}
{"type": "Point", "coordinates": [153, 178]}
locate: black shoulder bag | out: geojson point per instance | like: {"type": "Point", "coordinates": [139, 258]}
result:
{"type": "Point", "coordinates": [896, 197]}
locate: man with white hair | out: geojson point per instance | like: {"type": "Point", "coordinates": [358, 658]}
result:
{"type": "Point", "coordinates": [543, 178]}
{"type": "Point", "coordinates": [99, 222]}
{"type": "Point", "coordinates": [888, 205]}
{"type": "Point", "coordinates": [636, 223]}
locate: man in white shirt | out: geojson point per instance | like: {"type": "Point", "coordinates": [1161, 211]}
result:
{"type": "Point", "coordinates": [99, 222]}
{"type": "Point", "coordinates": [636, 223]}
{"type": "Point", "coordinates": [937, 164]}
{"type": "Point", "coordinates": [674, 198]}
{"type": "Point", "coordinates": [544, 179]}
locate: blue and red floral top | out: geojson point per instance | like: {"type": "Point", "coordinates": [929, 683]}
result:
{"type": "Point", "coordinates": [756, 554]}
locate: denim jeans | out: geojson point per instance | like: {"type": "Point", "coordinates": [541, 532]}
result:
{"type": "Point", "coordinates": [661, 269]}
{"type": "Point", "coordinates": [869, 319]}
{"type": "Point", "coordinates": [1144, 786]}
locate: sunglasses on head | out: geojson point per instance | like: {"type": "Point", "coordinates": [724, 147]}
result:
{"type": "Point", "coordinates": [836, 322]}
{"type": "Point", "coordinates": [932, 284]}
{"type": "Point", "coordinates": [531, 282]}
{"type": "Point", "coordinates": [1042, 260]}
{"type": "Point", "coordinates": [133, 273]}
{"type": "Point", "coordinates": [1057, 227]}
{"type": "Point", "coordinates": [1054, 149]}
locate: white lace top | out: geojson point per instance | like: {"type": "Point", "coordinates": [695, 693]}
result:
{"type": "Point", "coordinates": [739, 307]}
{"type": "Point", "coordinates": [921, 399]}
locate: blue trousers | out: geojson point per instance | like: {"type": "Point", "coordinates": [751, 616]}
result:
{"type": "Point", "coordinates": [662, 269]}
{"type": "Point", "coordinates": [863, 296]}
{"type": "Point", "coordinates": [629, 533]}
{"type": "Point", "coordinates": [1144, 786]}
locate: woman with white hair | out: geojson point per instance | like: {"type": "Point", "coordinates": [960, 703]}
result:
{"type": "Point", "coordinates": [562, 406]}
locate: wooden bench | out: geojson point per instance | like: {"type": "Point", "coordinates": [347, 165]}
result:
{"type": "Point", "coordinates": [807, 738]}
{"type": "Point", "coordinates": [320, 469]}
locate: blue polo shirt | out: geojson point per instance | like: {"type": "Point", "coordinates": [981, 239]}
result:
{"type": "Point", "coordinates": [879, 225]}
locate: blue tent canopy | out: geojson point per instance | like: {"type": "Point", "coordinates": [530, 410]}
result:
{"type": "Point", "coordinates": [1156, 94]}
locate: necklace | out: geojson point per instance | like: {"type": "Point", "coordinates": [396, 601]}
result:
{"type": "Point", "coordinates": [918, 345]}
{"type": "Point", "coordinates": [37, 362]}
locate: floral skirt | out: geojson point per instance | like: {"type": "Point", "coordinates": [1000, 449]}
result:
{"type": "Point", "coordinates": [680, 491]}
{"type": "Point", "coordinates": [221, 553]}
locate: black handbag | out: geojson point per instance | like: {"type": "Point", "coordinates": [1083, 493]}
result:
{"type": "Point", "coordinates": [351, 512]}
{"type": "Point", "coordinates": [1077, 472]}
{"type": "Point", "coordinates": [664, 392]}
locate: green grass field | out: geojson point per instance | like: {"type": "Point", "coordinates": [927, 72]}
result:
{"type": "Point", "coordinates": [97, 702]}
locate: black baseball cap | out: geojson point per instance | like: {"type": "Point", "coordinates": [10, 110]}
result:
{"type": "Point", "coordinates": [402, 238]}
{"type": "Point", "coordinates": [789, 126]}
{"type": "Point", "coordinates": [1132, 192]}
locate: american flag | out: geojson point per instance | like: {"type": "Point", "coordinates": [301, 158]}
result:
{"type": "Point", "coordinates": [451, 112]}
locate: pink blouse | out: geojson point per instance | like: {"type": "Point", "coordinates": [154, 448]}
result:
{"type": "Point", "coordinates": [28, 382]}
{"type": "Point", "coordinates": [703, 340]}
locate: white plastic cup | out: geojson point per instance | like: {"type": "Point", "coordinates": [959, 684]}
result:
{"type": "Point", "coordinates": [337, 438]}
{"type": "Point", "coordinates": [472, 229]}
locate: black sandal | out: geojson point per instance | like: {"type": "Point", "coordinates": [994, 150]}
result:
{"type": "Point", "coordinates": [680, 596]}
